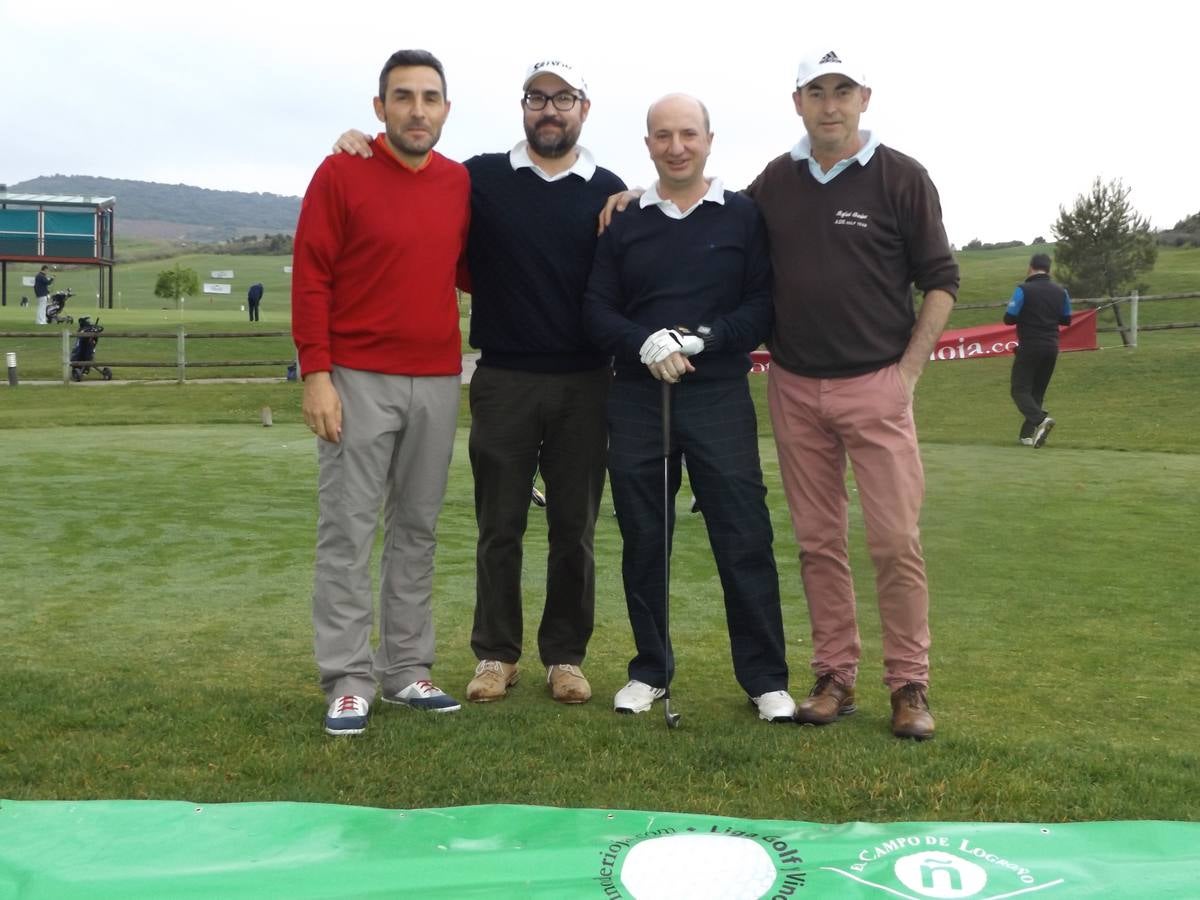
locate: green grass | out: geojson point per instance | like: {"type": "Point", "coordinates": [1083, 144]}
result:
{"type": "Point", "coordinates": [137, 310]}
{"type": "Point", "coordinates": [988, 276]}
{"type": "Point", "coordinates": [157, 549]}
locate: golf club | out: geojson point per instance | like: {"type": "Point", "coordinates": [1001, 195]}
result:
{"type": "Point", "coordinates": [671, 718]}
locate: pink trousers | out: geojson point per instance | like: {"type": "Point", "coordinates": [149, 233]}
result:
{"type": "Point", "coordinates": [818, 423]}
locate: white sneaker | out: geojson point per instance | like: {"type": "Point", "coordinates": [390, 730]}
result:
{"type": "Point", "coordinates": [775, 706]}
{"type": "Point", "coordinates": [347, 715]}
{"type": "Point", "coordinates": [637, 697]}
{"type": "Point", "coordinates": [1042, 432]}
{"type": "Point", "coordinates": [424, 695]}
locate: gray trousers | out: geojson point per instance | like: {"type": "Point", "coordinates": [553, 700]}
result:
{"type": "Point", "coordinates": [397, 440]}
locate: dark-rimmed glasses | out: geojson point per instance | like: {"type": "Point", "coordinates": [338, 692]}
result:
{"type": "Point", "coordinates": [562, 101]}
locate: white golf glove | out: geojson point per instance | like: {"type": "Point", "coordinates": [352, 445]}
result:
{"type": "Point", "coordinates": [666, 341]}
{"type": "Point", "coordinates": [689, 344]}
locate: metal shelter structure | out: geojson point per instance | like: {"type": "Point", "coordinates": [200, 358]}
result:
{"type": "Point", "coordinates": [51, 230]}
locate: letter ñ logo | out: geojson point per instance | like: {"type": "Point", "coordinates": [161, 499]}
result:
{"type": "Point", "coordinates": [830, 57]}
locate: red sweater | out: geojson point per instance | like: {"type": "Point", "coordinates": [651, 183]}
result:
{"type": "Point", "coordinates": [376, 251]}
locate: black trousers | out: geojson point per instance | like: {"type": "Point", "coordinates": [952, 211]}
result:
{"type": "Point", "coordinates": [252, 307]}
{"type": "Point", "coordinates": [1032, 369]}
{"type": "Point", "coordinates": [714, 428]}
{"type": "Point", "coordinates": [522, 422]}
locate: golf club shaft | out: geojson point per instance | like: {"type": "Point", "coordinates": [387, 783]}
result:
{"type": "Point", "coordinates": [672, 719]}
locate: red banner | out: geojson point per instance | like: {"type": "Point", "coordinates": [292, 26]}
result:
{"type": "Point", "coordinates": [987, 340]}
{"type": "Point", "coordinates": [1001, 340]}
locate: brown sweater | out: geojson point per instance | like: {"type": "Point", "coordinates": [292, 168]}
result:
{"type": "Point", "coordinates": [845, 256]}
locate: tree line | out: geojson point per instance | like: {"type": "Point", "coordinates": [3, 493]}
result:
{"type": "Point", "coordinates": [250, 245]}
{"type": "Point", "coordinates": [1103, 245]}
{"type": "Point", "coordinates": [176, 202]}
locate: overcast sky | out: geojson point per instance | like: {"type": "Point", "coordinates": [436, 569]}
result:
{"type": "Point", "coordinates": [1013, 107]}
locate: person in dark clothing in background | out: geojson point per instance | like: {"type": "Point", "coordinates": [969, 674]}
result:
{"type": "Point", "coordinates": [1038, 306]}
{"type": "Point", "coordinates": [253, 299]}
{"type": "Point", "coordinates": [41, 290]}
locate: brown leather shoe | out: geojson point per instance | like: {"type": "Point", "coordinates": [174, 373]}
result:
{"type": "Point", "coordinates": [828, 700]}
{"type": "Point", "coordinates": [568, 684]}
{"type": "Point", "coordinates": [492, 680]}
{"type": "Point", "coordinates": [910, 713]}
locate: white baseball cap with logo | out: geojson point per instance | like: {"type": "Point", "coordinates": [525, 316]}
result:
{"type": "Point", "coordinates": [828, 62]}
{"type": "Point", "coordinates": [563, 70]}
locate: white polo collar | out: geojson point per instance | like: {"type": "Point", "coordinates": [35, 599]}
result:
{"type": "Point", "coordinates": [715, 194]}
{"type": "Point", "coordinates": [803, 150]}
{"type": "Point", "coordinates": [584, 165]}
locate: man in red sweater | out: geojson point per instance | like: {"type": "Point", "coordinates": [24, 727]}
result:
{"type": "Point", "coordinates": [375, 322]}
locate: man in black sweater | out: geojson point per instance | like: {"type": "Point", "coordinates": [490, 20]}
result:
{"type": "Point", "coordinates": [1037, 308]}
{"type": "Point", "coordinates": [539, 390]}
{"type": "Point", "coordinates": [680, 292]}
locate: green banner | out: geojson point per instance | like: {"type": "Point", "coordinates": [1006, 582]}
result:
{"type": "Point", "coordinates": [136, 849]}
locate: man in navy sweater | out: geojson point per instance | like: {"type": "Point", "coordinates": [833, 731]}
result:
{"type": "Point", "coordinates": [680, 292]}
{"type": "Point", "coordinates": [538, 393]}
{"type": "Point", "coordinates": [1037, 308]}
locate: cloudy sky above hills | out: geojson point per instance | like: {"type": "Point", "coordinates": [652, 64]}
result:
{"type": "Point", "coordinates": [1014, 108]}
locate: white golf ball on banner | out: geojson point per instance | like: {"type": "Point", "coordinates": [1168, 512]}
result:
{"type": "Point", "coordinates": [698, 867]}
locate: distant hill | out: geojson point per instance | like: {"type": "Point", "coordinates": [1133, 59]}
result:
{"type": "Point", "coordinates": [176, 211]}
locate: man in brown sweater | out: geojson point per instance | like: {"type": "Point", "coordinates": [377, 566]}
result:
{"type": "Point", "coordinates": [853, 225]}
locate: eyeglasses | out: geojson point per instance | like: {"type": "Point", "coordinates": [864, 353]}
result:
{"type": "Point", "coordinates": [562, 101]}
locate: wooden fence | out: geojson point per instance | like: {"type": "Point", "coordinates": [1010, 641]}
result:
{"type": "Point", "coordinates": [1128, 331]}
{"type": "Point", "coordinates": [180, 363]}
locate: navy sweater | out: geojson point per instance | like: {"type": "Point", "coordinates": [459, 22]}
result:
{"type": "Point", "coordinates": [529, 252]}
{"type": "Point", "coordinates": [711, 268]}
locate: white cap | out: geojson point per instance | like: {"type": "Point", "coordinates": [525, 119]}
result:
{"type": "Point", "coordinates": [563, 70]}
{"type": "Point", "coordinates": [827, 62]}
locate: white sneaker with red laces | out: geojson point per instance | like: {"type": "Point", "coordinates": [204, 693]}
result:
{"type": "Point", "coordinates": [347, 715]}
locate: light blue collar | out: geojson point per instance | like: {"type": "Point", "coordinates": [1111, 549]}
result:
{"type": "Point", "coordinates": [803, 150]}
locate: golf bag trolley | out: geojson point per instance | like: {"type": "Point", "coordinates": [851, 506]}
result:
{"type": "Point", "coordinates": [84, 349]}
{"type": "Point", "coordinates": [55, 306]}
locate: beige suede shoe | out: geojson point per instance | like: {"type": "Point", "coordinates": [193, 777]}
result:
{"type": "Point", "coordinates": [568, 684]}
{"type": "Point", "coordinates": [492, 680]}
